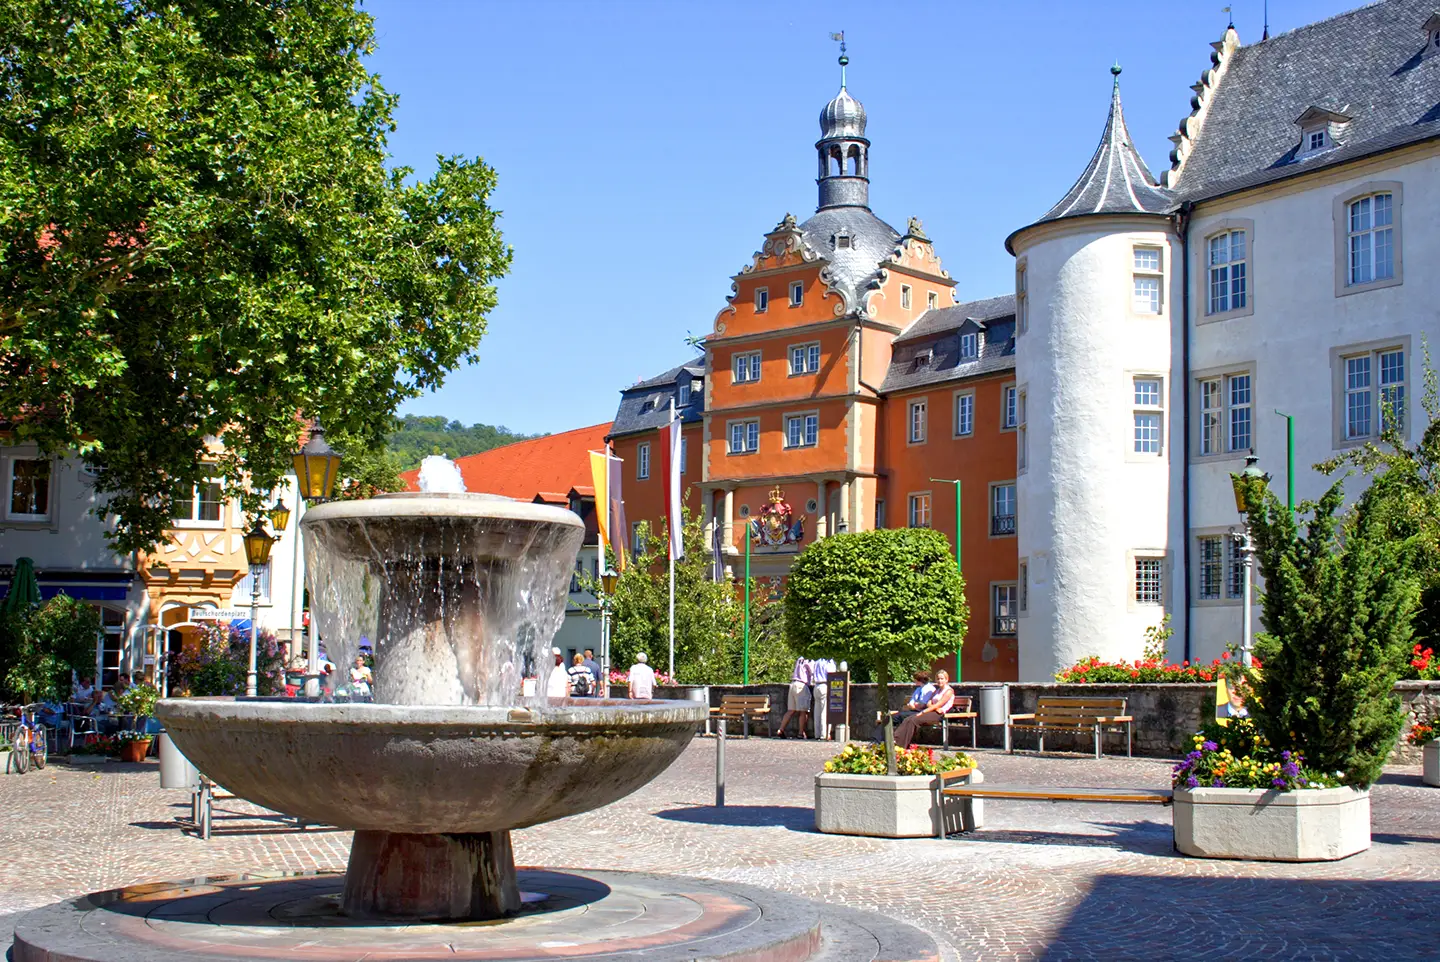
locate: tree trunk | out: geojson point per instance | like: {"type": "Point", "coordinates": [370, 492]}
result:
{"type": "Point", "coordinates": [882, 695]}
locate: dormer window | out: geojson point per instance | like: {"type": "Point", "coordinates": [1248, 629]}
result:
{"type": "Point", "coordinates": [841, 241]}
{"type": "Point", "coordinates": [1320, 129]}
{"type": "Point", "coordinates": [684, 399]}
{"type": "Point", "coordinates": [1431, 28]}
{"type": "Point", "coordinates": [924, 357]}
{"type": "Point", "coordinates": [969, 346]}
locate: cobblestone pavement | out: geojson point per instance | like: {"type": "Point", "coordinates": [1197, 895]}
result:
{"type": "Point", "coordinates": [1041, 881]}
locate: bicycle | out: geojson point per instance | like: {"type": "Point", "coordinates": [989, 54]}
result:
{"type": "Point", "coordinates": [29, 746]}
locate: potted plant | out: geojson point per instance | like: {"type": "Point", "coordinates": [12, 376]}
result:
{"type": "Point", "coordinates": [1291, 782]}
{"type": "Point", "coordinates": [134, 745]}
{"type": "Point", "coordinates": [1423, 734]}
{"type": "Point", "coordinates": [138, 701]}
{"type": "Point", "coordinates": [854, 796]}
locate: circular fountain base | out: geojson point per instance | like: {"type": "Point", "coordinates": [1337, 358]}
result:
{"type": "Point", "coordinates": [618, 915]}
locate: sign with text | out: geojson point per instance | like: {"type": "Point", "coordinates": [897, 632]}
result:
{"type": "Point", "coordinates": [837, 699]}
{"type": "Point", "coordinates": [218, 614]}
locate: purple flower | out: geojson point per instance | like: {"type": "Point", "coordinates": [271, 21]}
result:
{"type": "Point", "coordinates": [1191, 782]}
{"type": "Point", "coordinates": [1217, 782]}
{"type": "Point", "coordinates": [1290, 769]}
{"type": "Point", "coordinates": [1194, 756]}
{"type": "Point", "coordinates": [1209, 746]}
{"type": "Point", "coordinates": [1278, 782]}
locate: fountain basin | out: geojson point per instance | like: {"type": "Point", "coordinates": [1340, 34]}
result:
{"type": "Point", "coordinates": [428, 770]}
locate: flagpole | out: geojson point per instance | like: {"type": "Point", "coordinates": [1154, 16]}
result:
{"type": "Point", "coordinates": [670, 527]}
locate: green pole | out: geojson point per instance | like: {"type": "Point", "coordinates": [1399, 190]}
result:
{"type": "Point", "coordinates": [959, 563]}
{"type": "Point", "coordinates": [1289, 459]}
{"type": "Point", "coordinates": [746, 667]}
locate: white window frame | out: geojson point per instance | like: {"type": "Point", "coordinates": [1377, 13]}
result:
{"type": "Point", "coordinates": [797, 293]}
{"type": "Point", "coordinates": [1147, 274]}
{"type": "Point", "coordinates": [1343, 389]}
{"type": "Point", "coordinates": [1022, 438]}
{"type": "Point", "coordinates": [932, 301]}
{"type": "Point", "coordinates": [642, 461]}
{"type": "Point", "coordinates": [1004, 611]}
{"type": "Point", "coordinates": [1022, 298]}
{"type": "Point", "coordinates": [1236, 274]}
{"type": "Point", "coordinates": [969, 345]}
{"type": "Point", "coordinates": [762, 300]}
{"type": "Point", "coordinates": [808, 425]}
{"type": "Point", "coordinates": [190, 520]}
{"type": "Point", "coordinates": [1370, 239]}
{"type": "Point", "coordinates": [905, 297]}
{"type": "Point", "coordinates": [960, 421]}
{"type": "Point", "coordinates": [1229, 568]}
{"type": "Point", "coordinates": [1228, 449]}
{"type": "Point", "coordinates": [993, 502]}
{"type": "Point", "coordinates": [22, 517]}
{"type": "Point", "coordinates": [1152, 560]}
{"type": "Point", "coordinates": [1345, 282]}
{"type": "Point", "coordinates": [745, 367]}
{"type": "Point", "coordinates": [920, 509]}
{"type": "Point", "coordinates": [809, 356]}
{"type": "Point", "coordinates": [1144, 409]}
{"type": "Point", "coordinates": [682, 393]}
{"type": "Point", "coordinates": [1009, 407]}
{"type": "Point", "coordinates": [917, 421]}
{"type": "Point", "coordinates": [751, 436]}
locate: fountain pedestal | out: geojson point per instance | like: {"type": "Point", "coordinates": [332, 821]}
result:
{"type": "Point", "coordinates": [398, 875]}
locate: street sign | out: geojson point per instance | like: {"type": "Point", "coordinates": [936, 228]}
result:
{"type": "Point", "coordinates": [837, 699]}
{"type": "Point", "coordinates": [218, 614]}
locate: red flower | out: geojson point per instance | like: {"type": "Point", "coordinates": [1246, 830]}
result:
{"type": "Point", "coordinates": [1225, 655]}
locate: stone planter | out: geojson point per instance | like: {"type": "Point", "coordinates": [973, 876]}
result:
{"type": "Point", "coordinates": [1430, 756]}
{"type": "Point", "coordinates": [886, 806]}
{"type": "Point", "coordinates": [1310, 825]}
{"type": "Point", "coordinates": [5, 766]}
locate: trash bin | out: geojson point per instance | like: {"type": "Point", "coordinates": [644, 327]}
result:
{"type": "Point", "coordinates": [175, 769]}
{"type": "Point", "coordinates": [994, 704]}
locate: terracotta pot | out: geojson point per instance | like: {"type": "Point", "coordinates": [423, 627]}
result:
{"type": "Point", "coordinates": [134, 751]}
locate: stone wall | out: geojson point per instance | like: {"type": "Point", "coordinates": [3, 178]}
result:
{"type": "Point", "coordinates": [1165, 715]}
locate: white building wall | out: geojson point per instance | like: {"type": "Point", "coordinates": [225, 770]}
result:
{"type": "Point", "coordinates": [1086, 503]}
{"type": "Point", "coordinates": [281, 611]}
{"type": "Point", "coordinates": [1297, 325]}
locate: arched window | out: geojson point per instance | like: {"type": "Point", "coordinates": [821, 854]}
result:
{"type": "Point", "coordinates": [837, 162]}
{"type": "Point", "coordinates": [854, 165]}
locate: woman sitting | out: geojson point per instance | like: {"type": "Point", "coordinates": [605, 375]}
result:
{"type": "Point", "coordinates": [931, 714]}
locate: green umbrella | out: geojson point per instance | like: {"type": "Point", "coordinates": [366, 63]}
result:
{"type": "Point", "coordinates": [24, 588]}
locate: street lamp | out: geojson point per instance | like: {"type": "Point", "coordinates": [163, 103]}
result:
{"type": "Point", "coordinates": [257, 555]}
{"type": "Point", "coordinates": [316, 466]}
{"type": "Point", "coordinates": [608, 579]}
{"type": "Point", "coordinates": [1245, 484]}
{"type": "Point", "coordinates": [279, 516]}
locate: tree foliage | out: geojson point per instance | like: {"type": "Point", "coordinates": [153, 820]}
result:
{"type": "Point", "coordinates": [39, 648]}
{"type": "Point", "coordinates": [890, 600]}
{"type": "Point", "coordinates": [415, 436]}
{"type": "Point", "coordinates": [1337, 610]}
{"type": "Point", "coordinates": [199, 237]}
{"type": "Point", "coordinates": [709, 617]}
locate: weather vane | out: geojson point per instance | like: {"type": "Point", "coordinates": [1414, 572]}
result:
{"type": "Point", "coordinates": [843, 59]}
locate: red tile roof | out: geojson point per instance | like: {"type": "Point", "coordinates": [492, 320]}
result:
{"type": "Point", "coordinates": [554, 463]}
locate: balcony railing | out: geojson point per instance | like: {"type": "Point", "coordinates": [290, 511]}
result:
{"type": "Point", "coordinates": [1002, 524]}
{"type": "Point", "coordinates": [1005, 625]}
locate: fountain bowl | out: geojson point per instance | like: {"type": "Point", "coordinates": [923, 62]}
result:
{"type": "Point", "coordinates": [424, 770]}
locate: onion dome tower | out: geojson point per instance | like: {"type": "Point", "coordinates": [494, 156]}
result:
{"type": "Point", "coordinates": [844, 153]}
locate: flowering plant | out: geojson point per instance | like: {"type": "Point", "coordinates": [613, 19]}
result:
{"type": "Point", "coordinates": [1421, 733]}
{"type": "Point", "coordinates": [102, 744]}
{"type": "Point", "coordinates": [1423, 664]}
{"type": "Point", "coordinates": [618, 677]}
{"type": "Point", "coordinates": [1238, 756]}
{"type": "Point", "coordinates": [858, 758]}
{"type": "Point", "coordinates": [133, 736]}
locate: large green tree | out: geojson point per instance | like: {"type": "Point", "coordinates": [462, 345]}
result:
{"type": "Point", "coordinates": [200, 238]}
{"type": "Point", "coordinates": [890, 600]}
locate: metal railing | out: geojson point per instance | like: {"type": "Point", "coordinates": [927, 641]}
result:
{"type": "Point", "coordinates": [1002, 524]}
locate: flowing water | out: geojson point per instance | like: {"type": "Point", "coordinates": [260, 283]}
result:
{"type": "Point", "coordinates": [460, 607]}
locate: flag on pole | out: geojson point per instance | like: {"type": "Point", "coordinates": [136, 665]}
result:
{"type": "Point", "coordinates": [619, 530]}
{"type": "Point", "coordinates": [609, 508]}
{"type": "Point", "coordinates": [670, 471]}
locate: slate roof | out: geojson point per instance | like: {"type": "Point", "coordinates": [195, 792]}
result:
{"type": "Point", "coordinates": [1366, 63]}
{"type": "Point", "coordinates": [1116, 181]}
{"type": "Point", "coordinates": [524, 469]}
{"type": "Point", "coordinates": [645, 406]}
{"type": "Point", "coordinates": [852, 269]}
{"type": "Point", "coordinates": [993, 318]}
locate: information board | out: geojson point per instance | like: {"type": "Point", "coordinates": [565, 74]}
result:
{"type": "Point", "coordinates": [837, 700]}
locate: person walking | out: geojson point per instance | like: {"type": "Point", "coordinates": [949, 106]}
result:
{"type": "Point", "coordinates": [557, 684]}
{"type": "Point", "coordinates": [797, 700]}
{"type": "Point", "coordinates": [582, 683]}
{"type": "Point", "coordinates": [593, 667]}
{"type": "Point", "coordinates": [642, 678]}
{"type": "Point", "coordinates": [820, 670]}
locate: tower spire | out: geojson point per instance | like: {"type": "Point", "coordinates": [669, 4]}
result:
{"type": "Point", "coordinates": [844, 60]}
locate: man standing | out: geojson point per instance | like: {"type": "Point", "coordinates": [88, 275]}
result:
{"type": "Point", "coordinates": [593, 666]}
{"type": "Point", "coordinates": [557, 685]}
{"type": "Point", "coordinates": [582, 683]}
{"type": "Point", "coordinates": [820, 670]}
{"type": "Point", "coordinates": [797, 700]}
{"type": "Point", "coordinates": [642, 678]}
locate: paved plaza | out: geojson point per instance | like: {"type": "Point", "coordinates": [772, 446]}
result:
{"type": "Point", "coordinates": [1041, 881]}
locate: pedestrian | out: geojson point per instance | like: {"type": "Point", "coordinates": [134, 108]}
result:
{"type": "Point", "coordinates": [557, 683]}
{"type": "Point", "coordinates": [797, 700]}
{"type": "Point", "coordinates": [642, 678]}
{"type": "Point", "coordinates": [593, 667]}
{"type": "Point", "coordinates": [820, 670]}
{"type": "Point", "coordinates": [360, 679]}
{"type": "Point", "coordinates": [582, 683]}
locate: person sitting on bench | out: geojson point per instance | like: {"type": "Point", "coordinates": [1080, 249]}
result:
{"type": "Point", "coordinates": [932, 713]}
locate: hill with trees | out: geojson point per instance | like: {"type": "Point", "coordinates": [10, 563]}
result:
{"type": "Point", "coordinates": [415, 437]}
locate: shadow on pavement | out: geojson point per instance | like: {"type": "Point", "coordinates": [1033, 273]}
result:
{"type": "Point", "coordinates": [793, 817]}
{"type": "Point", "coordinates": [1143, 838]}
{"type": "Point", "coordinates": [1218, 917]}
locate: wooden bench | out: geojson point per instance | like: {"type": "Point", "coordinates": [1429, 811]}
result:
{"type": "Point", "coordinates": [744, 709]}
{"type": "Point", "coordinates": [1093, 715]}
{"type": "Point", "coordinates": [959, 713]}
{"type": "Point", "coordinates": [1115, 796]}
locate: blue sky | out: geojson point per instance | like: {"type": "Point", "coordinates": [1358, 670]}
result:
{"type": "Point", "coordinates": [644, 148]}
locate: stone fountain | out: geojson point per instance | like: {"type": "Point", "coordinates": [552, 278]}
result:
{"type": "Point", "coordinates": [461, 595]}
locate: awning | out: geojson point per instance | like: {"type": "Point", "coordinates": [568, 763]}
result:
{"type": "Point", "coordinates": [85, 585]}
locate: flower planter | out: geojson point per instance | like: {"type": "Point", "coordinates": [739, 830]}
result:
{"type": "Point", "coordinates": [134, 751]}
{"type": "Point", "coordinates": [886, 806]}
{"type": "Point", "coordinates": [1430, 755]}
{"type": "Point", "coordinates": [5, 764]}
{"type": "Point", "coordinates": [1307, 825]}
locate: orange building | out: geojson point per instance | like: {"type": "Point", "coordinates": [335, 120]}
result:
{"type": "Point", "coordinates": [838, 381]}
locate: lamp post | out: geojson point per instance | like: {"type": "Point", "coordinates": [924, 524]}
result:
{"type": "Point", "coordinates": [959, 564]}
{"type": "Point", "coordinates": [608, 579]}
{"type": "Point", "coordinates": [1243, 484]}
{"type": "Point", "coordinates": [317, 465]}
{"type": "Point", "coordinates": [257, 554]}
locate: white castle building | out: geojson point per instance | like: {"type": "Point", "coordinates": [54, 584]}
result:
{"type": "Point", "coordinates": [1161, 324]}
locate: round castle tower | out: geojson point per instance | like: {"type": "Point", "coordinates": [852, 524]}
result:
{"type": "Point", "coordinates": [1099, 476]}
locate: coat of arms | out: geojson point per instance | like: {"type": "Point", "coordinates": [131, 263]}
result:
{"type": "Point", "coordinates": [777, 524]}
